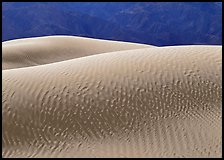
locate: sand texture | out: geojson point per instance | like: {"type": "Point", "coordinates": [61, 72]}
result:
{"type": "Point", "coordinates": [43, 50]}
{"type": "Point", "coordinates": [140, 101]}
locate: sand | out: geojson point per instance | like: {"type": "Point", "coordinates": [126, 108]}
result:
{"type": "Point", "coordinates": [43, 50]}
{"type": "Point", "coordinates": [146, 102]}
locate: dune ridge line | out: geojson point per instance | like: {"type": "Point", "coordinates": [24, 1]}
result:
{"type": "Point", "coordinates": [125, 100]}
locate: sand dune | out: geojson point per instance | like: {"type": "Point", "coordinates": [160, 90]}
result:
{"type": "Point", "coordinates": [43, 50]}
{"type": "Point", "coordinates": [148, 102]}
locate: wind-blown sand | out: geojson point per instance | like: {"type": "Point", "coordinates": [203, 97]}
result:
{"type": "Point", "coordinates": [43, 50]}
{"type": "Point", "coordinates": [148, 102]}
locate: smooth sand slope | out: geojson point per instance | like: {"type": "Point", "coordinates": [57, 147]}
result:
{"type": "Point", "coordinates": [150, 102]}
{"type": "Point", "coordinates": [43, 50]}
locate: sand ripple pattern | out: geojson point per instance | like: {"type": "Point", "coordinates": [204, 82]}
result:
{"type": "Point", "coordinates": [153, 102]}
{"type": "Point", "coordinates": [28, 52]}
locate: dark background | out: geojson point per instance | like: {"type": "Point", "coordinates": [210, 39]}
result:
{"type": "Point", "coordinates": [156, 23]}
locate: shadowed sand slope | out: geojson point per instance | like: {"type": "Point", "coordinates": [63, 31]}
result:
{"type": "Point", "coordinates": [43, 50]}
{"type": "Point", "coordinates": [151, 102]}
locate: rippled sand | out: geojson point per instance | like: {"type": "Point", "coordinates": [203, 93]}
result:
{"type": "Point", "coordinates": [134, 101]}
{"type": "Point", "coordinates": [43, 50]}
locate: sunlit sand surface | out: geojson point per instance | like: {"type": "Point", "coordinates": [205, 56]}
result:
{"type": "Point", "coordinates": [79, 97]}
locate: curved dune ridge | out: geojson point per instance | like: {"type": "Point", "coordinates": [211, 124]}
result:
{"type": "Point", "coordinates": [43, 50]}
{"type": "Point", "coordinates": [139, 102]}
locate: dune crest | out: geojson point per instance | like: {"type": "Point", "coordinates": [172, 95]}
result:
{"type": "Point", "coordinates": [43, 50]}
{"type": "Point", "coordinates": [149, 102]}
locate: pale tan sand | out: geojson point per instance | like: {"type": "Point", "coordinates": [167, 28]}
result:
{"type": "Point", "coordinates": [153, 102]}
{"type": "Point", "coordinates": [43, 50]}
